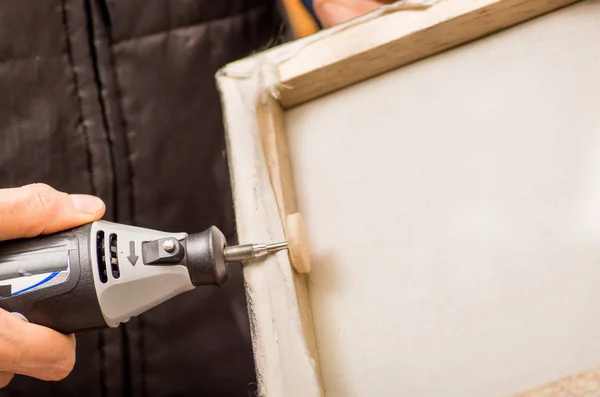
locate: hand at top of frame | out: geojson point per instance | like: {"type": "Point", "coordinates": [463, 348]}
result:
{"type": "Point", "coordinates": [334, 12]}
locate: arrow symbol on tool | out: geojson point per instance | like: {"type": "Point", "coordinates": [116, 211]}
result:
{"type": "Point", "coordinates": [132, 256]}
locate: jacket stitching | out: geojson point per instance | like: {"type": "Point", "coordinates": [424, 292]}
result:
{"type": "Point", "coordinates": [97, 81]}
{"type": "Point", "coordinates": [244, 13]}
{"type": "Point", "coordinates": [130, 192]}
{"type": "Point", "coordinates": [88, 152]}
{"type": "Point", "coordinates": [81, 119]}
{"type": "Point", "coordinates": [32, 58]}
{"type": "Point", "coordinates": [124, 124]}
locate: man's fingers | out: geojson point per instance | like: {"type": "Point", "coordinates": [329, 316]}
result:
{"type": "Point", "coordinates": [33, 350]}
{"type": "Point", "coordinates": [39, 209]}
{"type": "Point", "coordinates": [30, 349]}
{"type": "Point", "coordinates": [335, 12]}
{"type": "Point", "coordinates": [5, 378]}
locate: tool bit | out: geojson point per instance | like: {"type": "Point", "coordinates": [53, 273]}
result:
{"type": "Point", "coordinates": [239, 253]}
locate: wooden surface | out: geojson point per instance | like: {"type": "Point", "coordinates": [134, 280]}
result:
{"type": "Point", "coordinates": [453, 212]}
{"type": "Point", "coordinates": [282, 333]}
{"type": "Point", "coordinates": [327, 62]}
{"type": "Point", "coordinates": [586, 384]}
{"type": "Point", "coordinates": [275, 149]}
{"type": "Point", "coordinates": [298, 245]}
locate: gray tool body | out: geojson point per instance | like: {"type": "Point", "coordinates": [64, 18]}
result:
{"type": "Point", "coordinates": [103, 273]}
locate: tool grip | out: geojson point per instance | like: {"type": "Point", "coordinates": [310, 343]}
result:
{"type": "Point", "coordinates": [49, 280]}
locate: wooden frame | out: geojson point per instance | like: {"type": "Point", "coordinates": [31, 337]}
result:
{"type": "Point", "coordinates": [256, 92]}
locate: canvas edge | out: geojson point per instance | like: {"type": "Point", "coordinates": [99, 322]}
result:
{"type": "Point", "coordinates": [284, 365]}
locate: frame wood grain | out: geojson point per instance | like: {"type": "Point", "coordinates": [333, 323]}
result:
{"type": "Point", "coordinates": [361, 50]}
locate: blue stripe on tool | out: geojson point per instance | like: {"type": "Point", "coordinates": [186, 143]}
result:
{"type": "Point", "coordinates": [50, 277]}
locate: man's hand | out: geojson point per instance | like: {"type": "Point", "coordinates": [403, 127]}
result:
{"type": "Point", "coordinates": [334, 12]}
{"type": "Point", "coordinates": [25, 348]}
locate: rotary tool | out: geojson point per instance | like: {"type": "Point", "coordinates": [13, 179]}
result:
{"type": "Point", "coordinates": [101, 274]}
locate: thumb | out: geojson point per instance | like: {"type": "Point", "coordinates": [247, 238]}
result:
{"type": "Point", "coordinates": [39, 209]}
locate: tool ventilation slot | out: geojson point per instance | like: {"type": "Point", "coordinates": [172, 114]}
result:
{"type": "Point", "coordinates": [101, 256]}
{"type": "Point", "coordinates": [114, 258]}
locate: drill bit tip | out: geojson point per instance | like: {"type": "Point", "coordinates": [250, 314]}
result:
{"type": "Point", "coordinates": [277, 246]}
{"type": "Point", "coordinates": [240, 253]}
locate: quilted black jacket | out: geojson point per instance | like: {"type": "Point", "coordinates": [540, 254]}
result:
{"type": "Point", "coordinates": [117, 98]}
